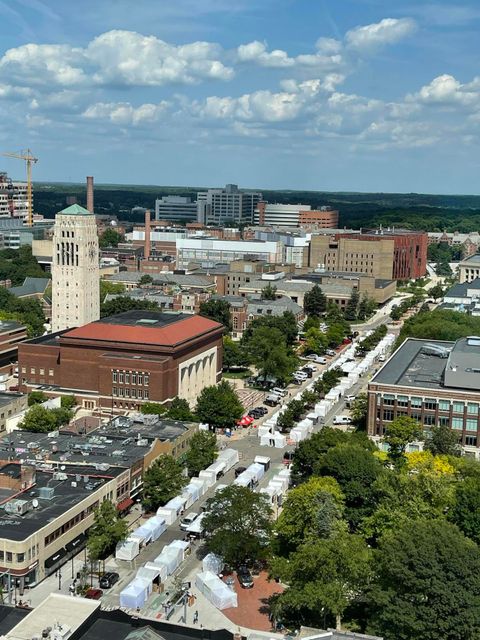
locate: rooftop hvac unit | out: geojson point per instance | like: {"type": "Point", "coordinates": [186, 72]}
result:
{"type": "Point", "coordinates": [143, 442]}
{"type": "Point", "coordinates": [435, 350]}
{"type": "Point", "coordinates": [17, 507]}
{"type": "Point", "coordinates": [74, 484]}
{"type": "Point", "coordinates": [59, 475]}
{"type": "Point", "coordinates": [46, 493]}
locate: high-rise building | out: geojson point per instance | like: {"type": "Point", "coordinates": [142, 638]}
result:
{"type": "Point", "coordinates": [175, 209]}
{"type": "Point", "coordinates": [13, 198]}
{"type": "Point", "coordinates": [294, 215]}
{"type": "Point", "coordinates": [219, 206]}
{"type": "Point", "coordinates": [75, 269]}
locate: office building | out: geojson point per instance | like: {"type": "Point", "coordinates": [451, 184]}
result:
{"type": "Point", "coordinates": [434, 382]}
{"type": "Point", "coordinates": [12, 333]}
{"type": "Point", "coordinates": [469, 269]}
{"type": "Point", "coordinates": [13, 198]}
{"type": "Point", "coordinates": [232, 205]}
{"type": "Point", "coordinates": [11, 404]}
{"type": "Point", "coordinates": [294, 215]}
{"type": "Point", "coordinates": [75, 269]}
{"type": "Point", "coordinates": [175, 209]}
{"type": "Point", "coordinates": [208, 252]}
{"type": "Point", "coordinates": [388, 254]}
{"type": "Point", "coordinates": [121, 361]}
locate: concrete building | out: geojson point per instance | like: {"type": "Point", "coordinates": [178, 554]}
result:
{"type": "Point", "coordinates": [11, 404]}
{"type": "Point", "coordinates": [12, 333]}
{"type": "Point", "coordinates": [388, 254]}
{"type": "Point", "coordinates": [75, 269]}
{"type": "Point", "coordinates": [294, 215]}
{"type": "Point", "coordinates": [169, 282]}
{"type": "Point", "coordinates": [217, 206]}
{"type": "Point", "coordinates": [175, 209]}
{"type": "Point", "coordinates": [377, 289]}
{"type": "Point", "coordinates": [434, 382]}
{"type": "Point", "coordinates": [469, 269]}
{"type": "Point", "coordinates": [13, 198]}
{"type": "Point", "coordinates": [208, 252]}
{"type": "Point", "coordinates": [121, 361]}
{"type": "Point", "coordinates": [463, 297]}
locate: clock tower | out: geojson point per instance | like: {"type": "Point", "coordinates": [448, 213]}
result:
{"type": "Point", "coordinates": [75, 269]}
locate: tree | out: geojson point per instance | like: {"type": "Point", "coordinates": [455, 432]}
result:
{"type": "Point", "coordinates": [436, 291]}
{"type": "Point", "coordinates": [465, 512]}
{"type": "Point", "coordinates": [110, 288]}
{"type": "Point", "coordinates": [316, 341]}
{"type": "Point", "coordinates": [269, 292]}
{"type": "Point", "coordinates": [311, 322]}
{"type": "Point", "coordinates": [315, 301]}
{"type": "Point", "coordinates": [202, 452]}
{"type": "Point", "coordinates": [153, 408]}
{"type": "Point", "coordinates": [300, 517]}
{"type": "Point", "coordinates": [355, 469]}
{"type": "Point", "coordinates": [107, 530]}
{"type": "Point", "coordinates": [237, 524]}
{"type": "Point", "coordinates": [162, 481]}
{"type": "Point", "coordinates": [310, 451]}
{"type": "Point", "coordinates": [234, 356]}
{"type": "Point", "coordinates": [179, 409]}
{"type": "Point", "coordinates": [120, 304]}
{"type": "Point", "coordinates": [38, 419]}
{"type": "Point", "coordinates": [268, 351]}
{"type": "Point", "coordinates": [219, 406]}
{"type": "Point", "coordinates": [399, 434]}
{"type": "Point", "coordinates": [110, 238]}
{"type": "Point", "coordinates": [366, 308]}
{"type": "Point", "coordinates": [217, 310]}
{"type": "Point", "coordinates": [324, 577]}
{"type": "Point", "coordinates": [359, 410]}
{"type": "Point", "coordinates": [440, 324]}
{"type": "Point", "coordinates": [285, 421]}
{"type": "Point", "coordinates": [442, 440]}
{"type": "Point", "coordinates": [427, 584]}
{"type": "Point", "coordinates": [36, 397]}
{"type": "Point", "coordinates": [352, 305]}
{"type": "Point", "coordinates": [68, 402]}
{"type": "Point", "coordinates": [443, 268]}
{"type": "Point", "coordinates": [286, 324]}
{"type": "Point", "coordinates": [146, 279]}
{"type": "Point", "coordinates": [308, 398]}
{"type": "Point", "coordinates": [335, 334]}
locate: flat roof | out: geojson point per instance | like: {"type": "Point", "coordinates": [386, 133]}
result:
{"type": "Point", "coordinates": [65, 496]}
{"type": "Point", "coordinates": [8, 398]}
{"type": "Point", "coordinates": [146, 327]}
{"type": "Point", "coordinates": [475, 259]}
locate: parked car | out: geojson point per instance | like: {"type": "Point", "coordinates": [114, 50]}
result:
{"type": "Point", "coordinates": [255, 413]}
{"type": "Point", "coordinates": [300, 374]}
{"type": "Point", "coordinates": [308, 371]}
{"type": "Point", "coordinates": [279, 392]}
{"type": "Point", "coordinates": [330, 352]}
{"type": "Point", "coordinates": [108, 579]}
{"type": "Point", "coordinates": [382, 358]}
{"type": "Point", "coordinates": [244, 577]}
{"type": "Point", "coordinates": [272, 400]}
{"type": "Point", "coordinates": [311, 366]}
{"type": "Point", "coordinates": [321, 360]}
{"type": "Point", "coordinates": [312, 356]}
{"type": "Point", "coordinates": [187, 520]}
{"type": "Point", "coordinates": [93, 594]}
{"type": "Point", "coordinates": [342, 420]}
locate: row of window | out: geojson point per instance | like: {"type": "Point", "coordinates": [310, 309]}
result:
{"type": "Point", "coordinates": [120, 392]}
{"type": "Point", "coordinates": [430, 404]}
{"type": "Point", "coordinates": [41, 371]}
{"type": "Point", "coordinates": [7, 556]}
{"type": "Point", "coordinates": [429, 420]}
{"type": "Point", "coordinates": [70, 523]}
{"type": "Point", "coordinates": [131, 377]}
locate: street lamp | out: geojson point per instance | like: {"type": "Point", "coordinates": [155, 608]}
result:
{"type": "Point", "coordinates": [59, 580]}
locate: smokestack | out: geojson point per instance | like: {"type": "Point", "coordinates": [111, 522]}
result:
{"type": "Point", "coordinates": [146, 251]}
{"type": "Point", "coordinates": [90, 194]}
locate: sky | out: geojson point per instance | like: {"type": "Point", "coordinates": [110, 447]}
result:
{"type": "Point", "coordinates": [330, 95]}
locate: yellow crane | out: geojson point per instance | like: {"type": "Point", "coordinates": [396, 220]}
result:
{"type": "Point", "coordinates": [29, 160]}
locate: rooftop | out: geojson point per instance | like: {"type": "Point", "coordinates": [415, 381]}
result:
{"type": "Point", "coordinates": [146, 327]}
{"type": "Point", "coordinates": [75, 210]}
{"type": "Point", "coordinates": [434, 364]}
{"type": "Point", "coordinates": [471, 260]}
{"type": "Point", "coordinates": [9, 325]}
{"type": "Point", "coordinates": [7, 398]}
{"type": "Point", "coordinates": [180, 279]}
{"type": "Point", "coordinates": [30, 287]}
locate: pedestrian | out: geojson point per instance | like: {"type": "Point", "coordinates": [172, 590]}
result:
{"type": "Point", "coordinates": [195, 617]}
{"type": "Point", "coordinates": [72, 589]}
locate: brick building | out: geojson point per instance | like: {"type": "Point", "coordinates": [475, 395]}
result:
{"type": "Point", "coordinates": [119, 362]}
{"type": "Point", "coordinates": [11, 335]}
{"type": "Point", "coordinates": [388, 254]}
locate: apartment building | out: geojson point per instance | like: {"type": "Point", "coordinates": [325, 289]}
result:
{"type": "Point", "coordinates": [217, 206]}
{"type": "Point", "coordinates": [13, 198]}
{"type": "Point", "coordinates": [434, 382]}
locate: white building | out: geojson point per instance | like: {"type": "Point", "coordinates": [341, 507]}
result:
{"type": "Point", "coordinates": [176, 209]}
{"type": "Point", "coordinates": [13, 198]}
{"type": "Point", "coordinates": [214, 251]}
{"type": "Point", "coordinates": [217, 206]}
{"type": "Point", "coordinates": [75, 269]}
{"type": "Point", "coordinates": [284, 215]}
{"type": "Point", "coordinates": [469, 268]}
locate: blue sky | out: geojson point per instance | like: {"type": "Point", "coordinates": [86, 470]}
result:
{"type": "Point", "coordinates": [346, 95]}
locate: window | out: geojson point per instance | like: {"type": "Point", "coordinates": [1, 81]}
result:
{"type": "Point", "coordinates": [120, 377]}
{"type": "Point", "coordinates": [114, 376]}
{"type": "Point", "coordinates": [457, 423]}
{"type": "Point", "coordinates": [388, 414]}
{"type": "Point", "coordinates": [140, 394]}
{"type": "Point", "coordinates": [2, 555]}
{"type": "Point", "coordinates": [472, 409]}
{"type": "Point", "coordinates": [20, 557]}
{"type": "Point", "coordinates": [472, 424]}
{"type": "Point", "coordinates": [443, 421]}
{"type": "Point", "coordinates": [388, 401]}
{"type": "Point", "coordinates": [140, 378]}
{"type": "Point", "coordinates": [115, 391]}
{"type": "Point", "coordinates": [134, 378]}
{"type": "Point", "coordinates": [127, 392]}
{"type": "Point", "coordinates": [416, 415]}
{"type": "Point", "coordinates": [127, 378]}
{"type": "Point", "coordinates": [24, 369]}
{"type": "Point", "coordinates": [145, 394]}
{"type": "Point", "coordinates": [50, 372]}
{"type": "Point", "coordinates": [120, 392]}
{"type": "Point", "coordinates": [429, 419]}
{"type": "Point", "coordinates": [146, 379]}
{"type": "Point", "coordinates": [471, 441]}
{"type": "Point", "coordinates": [32, 371]}
{"type": "Point", "coordinates": [402, 401]}
{"type": "Point", "coordinates": [444, 405]}
{"type": "Point", "coordinates": [9, 556]}
{"type": "Point", "coordinates": [458, 407]}
{"type": "Point", "coordinates": [415, 402]}
{"type": "Point", "coordinates": [134, 393]}
{"type": "Point", "coordinates": [430, 403]}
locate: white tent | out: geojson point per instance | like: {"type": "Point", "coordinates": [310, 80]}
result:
{"type": "Point", "coordinates": [167, 514]}
{"type": "Point", "coordinates": [196, 527]}
{"type": "Point", "coordinates": [135, 594]}
{"type": "Point", "coordinates": [160, 567]}
{"type": "Point", "coordinates": [215, 590]}
{"type": "Point", "coordinates": [201, 483]}
{"type": "Point", "coordinates": [229, 457]}
{"type": "Point", "coordinates": [183, 545]}
{"type": "Point", "coordinates": [150, 572]}
{"type": "Point", "coordinates": [143, 534]}
{"type": "Point", "coordinates": [170, 557]}
{"type": "Point", "coordinates": [156, 525]}
{"type": "Point", "coordinates": [177, 503]}
{"type": "Point", "coordinates": [268, 440]}
{"type": "Point", "coordinates": [127, 550]}
{"type": "Point", "coordinates": [264, 430]}
{"type": "Point", "coordinates": [212, 563]}
{"type": "Point", "coordinates": [209, 477]}
{"type": "Point", "coordinates": [280, 440]}
{"type": "Point", "coordinates": [256, 470]}
{"type": "Point", "coordinates": [191, 493]}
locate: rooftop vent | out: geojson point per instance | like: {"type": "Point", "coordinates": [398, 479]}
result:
{"type": "Point", "coordinates": [435, 350]}
{"type": "Point", "coordinates": [46, 493]}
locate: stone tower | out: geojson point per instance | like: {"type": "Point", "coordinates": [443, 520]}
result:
{"type": "Point", "coordinates": [75, 269]}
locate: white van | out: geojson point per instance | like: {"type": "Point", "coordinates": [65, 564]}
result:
{"type": "Point", "coordinates": [188, 520]}
{"type": "Point", "coordinates": [279, 392]}
{"type": "Point", "coordinates": [342, 420]}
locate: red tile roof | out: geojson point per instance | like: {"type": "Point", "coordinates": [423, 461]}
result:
{"type": "Point", "coordinates": [169, 335]}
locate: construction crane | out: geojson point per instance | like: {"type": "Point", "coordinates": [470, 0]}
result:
{"type": "Point", "coordinates": [29, 160]}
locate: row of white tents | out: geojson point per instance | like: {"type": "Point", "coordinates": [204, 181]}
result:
{"type": "Point", "coordinates": [277, 487]}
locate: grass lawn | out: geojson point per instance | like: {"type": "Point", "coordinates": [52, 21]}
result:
{"type": "Point", "coordinates": [239, 375]}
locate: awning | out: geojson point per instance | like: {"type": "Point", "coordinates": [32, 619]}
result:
{"type": "Point", "coordinates": [57, 556]}
{"type": "Point", "coordinates": [124, 504]}
{"type": "Point", "coordinates": [76, 543]}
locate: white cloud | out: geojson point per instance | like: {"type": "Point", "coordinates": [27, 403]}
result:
{"type": "Point", "coordinates": [373, 36]}
{"type": "Point", "coordinates": [446, 90]}
{"type": "Point", "coordinates": [257, 52]}
{"type": "Point", "coordinates": [123, 113]}
{"type": "Point", "coordinates": [38, 64]}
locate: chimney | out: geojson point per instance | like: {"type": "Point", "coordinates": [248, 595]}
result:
{"type": "Point", "coordinates": [90, 194]}
{"type": "Point", "coordinates": [146, 251]}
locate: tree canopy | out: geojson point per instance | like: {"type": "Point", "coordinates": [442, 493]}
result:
{"type": "Point", "coordinates": [163, 480]}
{"type": "Point", "coordinates": [440, 324]}
{"type": "Point", "coordinates": [107, 530]}
{"type": "Point", "coordinates": [110, 238]}
{"type": "Point", "coordinates": [202, 452]}
{"type": "Point", "coordinates": [268, 351]}
{"type": "Point", "coordinates": [38, 419]}
{"type": "Point", "coordinates": [219, 406]}
{"type": "Point", "coordinates": [217, 310]}
{"type": "Point", "coordinates": [315, 301]}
